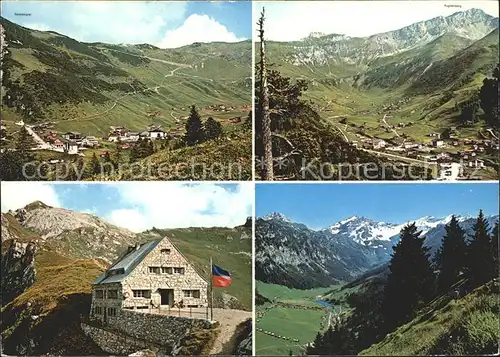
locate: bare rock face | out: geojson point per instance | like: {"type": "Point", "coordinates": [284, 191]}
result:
{"type": "Point", "coordinates": [18, 269]}
{"type": "Point", "coordinates": [77, 234]}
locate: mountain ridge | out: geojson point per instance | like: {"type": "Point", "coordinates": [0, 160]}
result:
{"type": "Point", "coordinates": [291, 254]}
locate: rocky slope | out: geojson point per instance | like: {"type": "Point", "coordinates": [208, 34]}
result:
{"type": "Point", "coordinates": [291, 254]}
{"type": "Point", "coordinates": [77, 234]}
{"type": "Point", "coordinates": [48, 270]}
{"type": "Point", "coordinates": [17, 269]}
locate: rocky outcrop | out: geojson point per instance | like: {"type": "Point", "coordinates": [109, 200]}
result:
{"type": "Point", "coordinates": [18, 269]}
{"type": "Point", "coordinates": [244, 339]}
{"type": "Point", "coordinates": [80, 235]}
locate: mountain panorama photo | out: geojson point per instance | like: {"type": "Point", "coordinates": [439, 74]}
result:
{"type": "Point", "coordinates": [105, 103]}
{"type": "Point", "coordinates": [160, 168]}
{"type": "Point", "coordinates": [345, 277]}
{"type": "Point", "coordinates": [80, 278]}
{"type": "Point", "coordinates": [402, 91]}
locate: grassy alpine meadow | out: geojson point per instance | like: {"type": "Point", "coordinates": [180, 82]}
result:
{"type": "Point", "coordinates": [55, 84]}
{"type": "Point", "coordinates": [231, 249]}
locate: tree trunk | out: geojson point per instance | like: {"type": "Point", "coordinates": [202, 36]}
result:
{"type": "Point", "coordinates": [267, 166]}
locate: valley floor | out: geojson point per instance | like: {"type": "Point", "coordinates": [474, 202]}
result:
{"type": "Point", "coordinates": [291, 318]}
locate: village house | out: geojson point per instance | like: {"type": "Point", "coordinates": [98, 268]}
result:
{"type": "Point", "coordinates": [72, 135]}
{"type": "Point", "coordinates": [437, 143]}
{"type": "Point", "coordinates": [70, 147]}
{"type": "Point", "coordinates": [132, 136]}
{"type": "Point", "coordinates": [90, 141]}
{"type": "Point", "coordinates": [144, 134]}
{"type": "Point", "coordinates": [113, 138]}
{"type": "Point", "coordinates": [435, 135]}
{"type": "Point", "coordinates": [151, 275]}
{"type": "Point", "coordinates": [476, 163]}
{"type": "Point", "coordinates": [58, 144]}
{"type": "Point", "coordinates": [378, 144]}
{"type": "Point", "coordinates": [157, 134]}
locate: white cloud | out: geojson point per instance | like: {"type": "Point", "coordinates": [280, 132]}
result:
{"type": "Point", "coordinates": [291, 20]}
{"type": "Point", "coordinates": [197, 28]}
{"type": "Point", "coordinates": [18, 194]}
{"type": "Point", "coordinates": [103, 21]}
{"type": "Point", "coordinates": [179, 205]}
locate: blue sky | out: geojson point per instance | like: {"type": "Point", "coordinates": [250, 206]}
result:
{"type": "Point", "coordinates": [321, 205]}
{"type": "Point", "coordinates": [141, 205]}
{"type": "Point", "coordinates": [294, 20]}
{"type": "Point", "coordinates": [165, 24]}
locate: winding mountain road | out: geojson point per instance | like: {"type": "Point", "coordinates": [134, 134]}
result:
{"type": "Point", "coordinates": [155, 88]}
{"type": "Point", "coordinates": [398, 157]}
{"type": "Point", "coordinates": [388, 126]}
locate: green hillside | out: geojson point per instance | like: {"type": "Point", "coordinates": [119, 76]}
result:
{"type": "Point", "coordinates": [467, 326]}
{"type": "Point", "coordinates": [229, 248]}
{"type": "Point", "coordinates": [406, 96]}
{"type": "Point", "coordinates": [87, 87]}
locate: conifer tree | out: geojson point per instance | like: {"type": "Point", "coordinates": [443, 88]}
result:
{"type": "Point", "coordinates": [134, 152]}
{"type": "Point", "coordinates": [410, 283]}
{"type": "Point", "coordinates": [480, 254]}
{"type": "Point", "coordinates": [118, 155]}
{"type": "Point", "coordinates": [495, 240]}
{"type": "Point", "coordinates": [213, 129]}
{"type": "Point", "coordinates": [263, 102]}
{"type": "Point", "coordinates": [488, 96]}
{"type": "Point", "coordinates": [450, 258]}
{"type": "Point", "coordinates": [95, 165]}
{"type": "Point", "coordinates": [194, 128]}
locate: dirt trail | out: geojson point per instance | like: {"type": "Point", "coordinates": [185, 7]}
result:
{"type": "Point", "coordinates": [229, 320]}
{"type": "Point", "coordinates": [394, 130]}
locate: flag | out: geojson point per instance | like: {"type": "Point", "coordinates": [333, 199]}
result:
{"type": "Point", "coordinates": [220, 278]}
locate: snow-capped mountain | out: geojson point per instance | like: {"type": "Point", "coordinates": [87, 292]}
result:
{"type": "Point", "coordinates": [291, 254]}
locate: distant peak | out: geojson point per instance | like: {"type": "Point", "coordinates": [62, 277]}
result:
{"type": "Point", "coordinates": [276, 216]}
{"type": "Point", "coordinates": [35, 205]}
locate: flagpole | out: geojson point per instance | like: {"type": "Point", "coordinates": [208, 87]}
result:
{"type": "Point", "coordinates": [211, 292]}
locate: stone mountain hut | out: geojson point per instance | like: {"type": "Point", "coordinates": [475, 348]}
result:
{"type": "Point", "coordinates": [150, 275]}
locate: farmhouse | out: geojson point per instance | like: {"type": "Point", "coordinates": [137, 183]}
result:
{"type": "Point", "coordinates": [90, 141]}
{"type": "Point", "coordinates": [153, 274]}
{"type": "Point", "coordinates": [70, 147]}
{"type": "Point", "coordinates": [156, 134]}
{"type": "Point", "coordinates": [438, 143]}
{"type": "Point", "coordinates": [378, 144]}
{"type": "Point", "coordinates": [132, 136]}
{"type": "Point", "coordinates": [72, 135]}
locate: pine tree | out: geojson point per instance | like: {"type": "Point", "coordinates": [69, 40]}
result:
{"type": "Point", "coordinates": [480, 254]}
{"type": "Point", "coordinates": [106, 160]}
{"type": "Point", "coordinates": [118, 155]}
{"type": "Point", "coordinates": [134, 151]}
{"type": "Point", "coordinates": [248, 121]}
{"type": "Point", "coordinates": [213, 129]}
{"type": "Point", "coordinates": [488, 96]}
{"type": "Point", "coordinates": [24, 144]}
{"type": "Point", "coordinates": [410, 283]}
{"type": "Point", "coordinates": [317, 346]}
{"type": "Point", "coordinates": [450, 258]}
{"type": "Point", "coordinates": [95, 165]}
{"type": "Point", "coordinates": [194, 128]}
{"type": "Point", "coordinates": [495, 239]}
{"type": "Point", "coordinates": [264, 114]}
